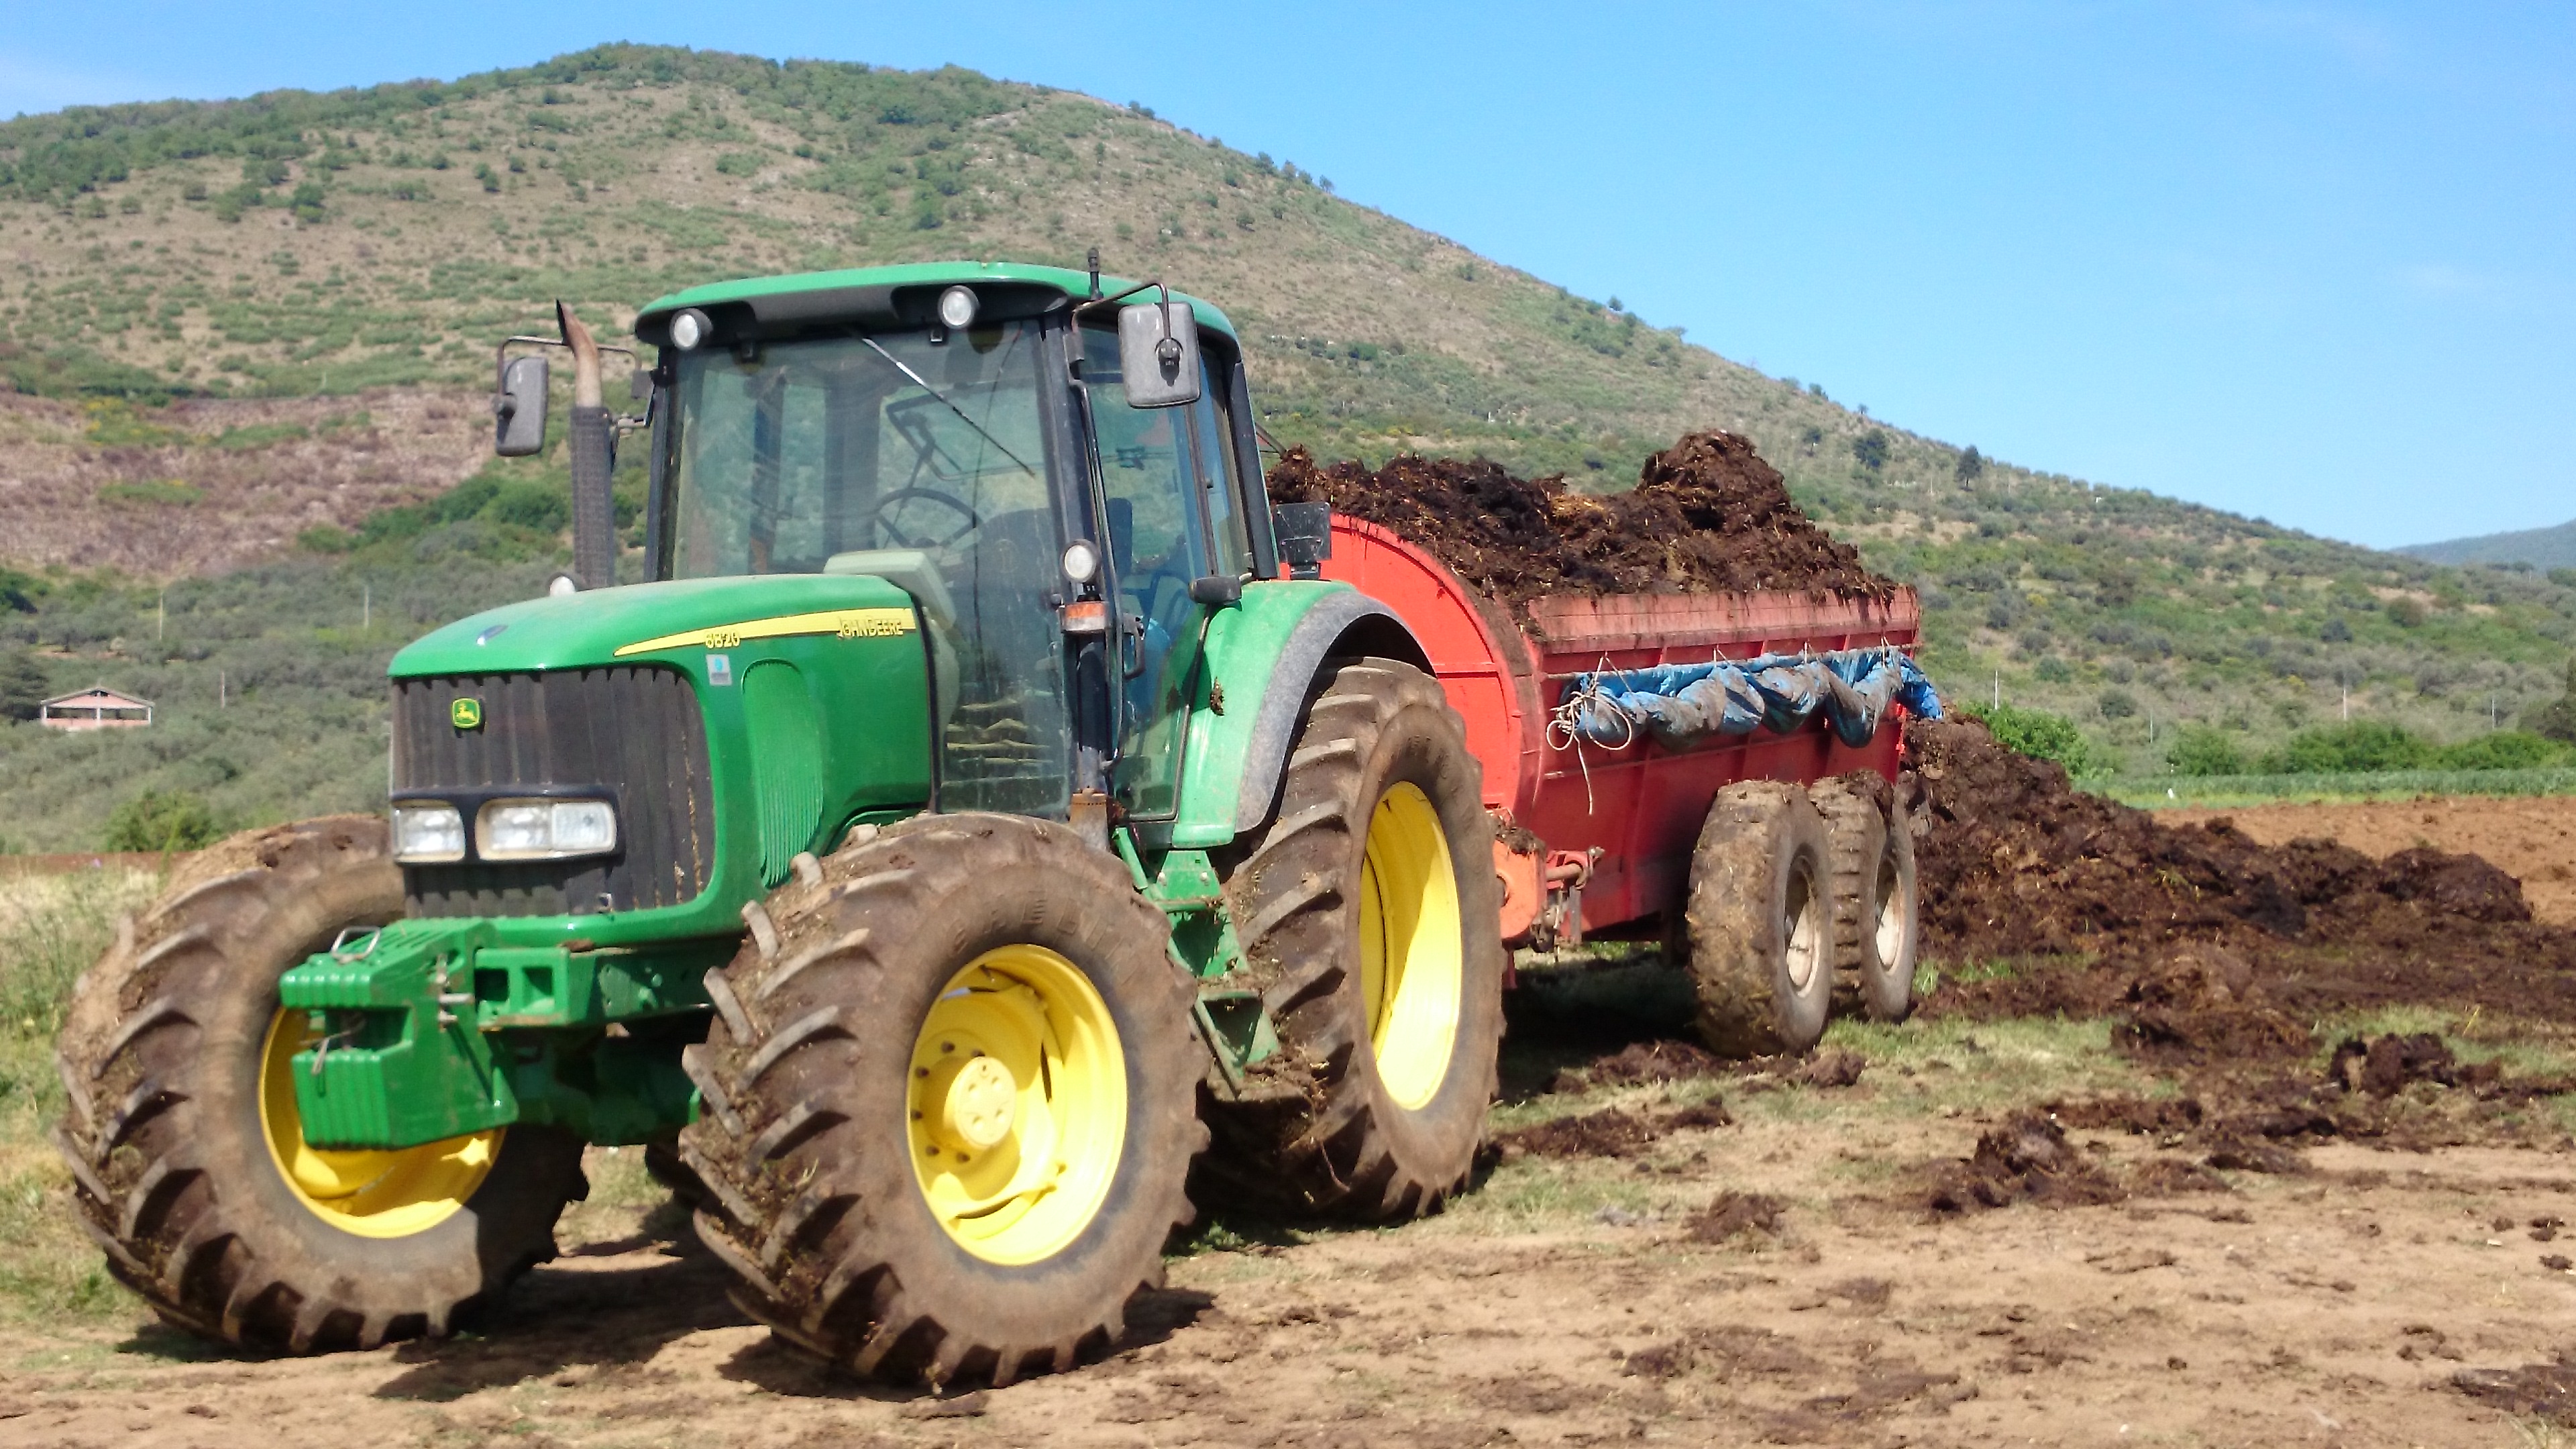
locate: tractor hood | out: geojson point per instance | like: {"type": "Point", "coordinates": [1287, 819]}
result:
{"type": "Point", "coordinates": [665, 622]}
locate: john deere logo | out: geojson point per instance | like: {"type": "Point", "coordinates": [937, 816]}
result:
{"type": "Point", "coordinates": [465, 714]}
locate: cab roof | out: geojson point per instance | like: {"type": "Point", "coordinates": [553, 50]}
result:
{"type": "Point", "coordinates": [887, 297]}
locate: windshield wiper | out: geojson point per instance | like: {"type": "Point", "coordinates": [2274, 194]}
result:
{"type": "Point", "coordinates": [898, 364]}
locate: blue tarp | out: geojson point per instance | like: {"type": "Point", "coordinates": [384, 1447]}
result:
{"type": "Point", "coordinates": [1681, 705]}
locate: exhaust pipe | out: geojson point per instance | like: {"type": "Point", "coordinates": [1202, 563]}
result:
{"type": "Point", "coordinates": [593, 446]}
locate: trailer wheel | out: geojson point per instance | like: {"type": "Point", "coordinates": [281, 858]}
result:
{"type": "Point", "coordinates": [188, 1153]}
{"type": "Point", "coordinates": [1368, 913]}
{"type": "Point", "coordinates": [1870, 857]}
{"type": "Point", "coordinates": [1887, 965]}
{"type": "Point", "coordinates": [1759, 925]}
{"type": "Point", "coordinates": [948, 1100]}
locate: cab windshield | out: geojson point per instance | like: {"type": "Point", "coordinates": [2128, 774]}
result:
{"type": "Point", "coordinates": [920, 462]}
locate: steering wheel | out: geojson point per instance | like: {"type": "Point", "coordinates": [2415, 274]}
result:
{"type": "Point", "coordinates": [877, 517]}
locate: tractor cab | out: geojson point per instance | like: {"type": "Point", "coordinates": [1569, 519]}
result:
{"type": "Point", "coordinates": [1061, 476]}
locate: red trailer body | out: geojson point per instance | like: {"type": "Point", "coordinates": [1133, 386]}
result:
{"type": "Point", "coordinates": [1594, 839]}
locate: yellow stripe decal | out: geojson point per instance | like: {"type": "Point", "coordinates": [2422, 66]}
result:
{"type": "Point", "coordinates": [847, 623]}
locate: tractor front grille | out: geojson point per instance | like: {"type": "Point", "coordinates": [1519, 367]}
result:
{"type": "Point", "coordinates": [634, 730]}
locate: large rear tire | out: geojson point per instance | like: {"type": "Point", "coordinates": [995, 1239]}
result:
{"type": "Point", "coordinates": [948, 1103]}
{"type": "Point", "coordinates": [187, 1152]}
{"type": "Point", "coordinates": [1368, 920]}
{"type": "Point", "coordinates": [1760, 932]}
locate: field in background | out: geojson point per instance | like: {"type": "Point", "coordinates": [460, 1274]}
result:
{"type": "Point", "coordinates": [2161, 792]}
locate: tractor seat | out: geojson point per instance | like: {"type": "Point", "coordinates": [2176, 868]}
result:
{"type": "Point", "coordinates": [909, 569]}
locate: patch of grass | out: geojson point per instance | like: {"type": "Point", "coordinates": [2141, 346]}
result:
{"type": "Point", "coordinates": [1921, 1067]}
{"type": "Point", "coordinates": [151, 493]}
{"type": "Point", "coordinates": [51, 929]}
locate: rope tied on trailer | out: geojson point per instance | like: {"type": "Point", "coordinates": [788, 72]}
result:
{"type": "Point", "coordinates": [1682, 705]}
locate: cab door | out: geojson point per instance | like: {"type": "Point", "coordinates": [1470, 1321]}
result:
{"type": "Point", "coordinates": [1157, 471]}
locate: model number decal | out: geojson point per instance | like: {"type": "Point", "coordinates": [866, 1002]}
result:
{"type": "Point", "coordinates": [878, 623]}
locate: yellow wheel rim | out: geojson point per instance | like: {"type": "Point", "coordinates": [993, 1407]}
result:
{"type": "Point", "coordinates": [372, 1193]}
{"type": "Point", "coordinates": [1412, 945]}
{"type": "Point", "coordinates": [1017, 1104]}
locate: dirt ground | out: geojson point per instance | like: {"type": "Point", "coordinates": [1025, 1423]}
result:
{"type": "Point", "coordinates": [2531, 838]}
{"type": "Point", "coordinates": [1755, 1259]}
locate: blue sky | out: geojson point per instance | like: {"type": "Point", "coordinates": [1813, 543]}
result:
{"type": "Point", "coordinates": [2315, 262]}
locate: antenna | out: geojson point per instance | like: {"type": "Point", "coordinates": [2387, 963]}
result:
{"type": "Point", "coordinates": [1095, 274]}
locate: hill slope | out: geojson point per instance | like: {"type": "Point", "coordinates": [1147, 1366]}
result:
{"type": "Point", "coordinates": [2546, 548]}
{"type": "Point", "coordinates": [319, 279]}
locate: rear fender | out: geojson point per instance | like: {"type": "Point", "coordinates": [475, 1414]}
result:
{"type": "Point", "coordinates": [1263, 657]}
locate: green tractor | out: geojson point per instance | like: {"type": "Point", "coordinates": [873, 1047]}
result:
{"type": "Point", "coordinates": [969, 824]}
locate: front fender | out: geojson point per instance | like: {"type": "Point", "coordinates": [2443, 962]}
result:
{"type": "Point", "coordinates": [1262, 658]}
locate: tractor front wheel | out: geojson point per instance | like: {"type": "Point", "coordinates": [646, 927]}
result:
{"type": "Point", "coordinates": [948, 1103]}
{"type": "Point", "coordinates": [188, 1152]}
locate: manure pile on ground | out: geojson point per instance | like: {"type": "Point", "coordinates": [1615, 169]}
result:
{"type": "Point", "coordinates": [1707, 516]}
{"type": "Point", "coordinates": [2202, 939]}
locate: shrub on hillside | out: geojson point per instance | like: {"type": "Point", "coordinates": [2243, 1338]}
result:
{"type": "Point", "coordinates": [2360, 745]}
{"type": "Point", "coordinates": [155, 820]}
{"type": "Point", "coordinates": [2037, 733]}
{"type": "Point", "coordinates": [2200, 750]}
{"type": "Point", "coordinates": [2501, 750]}
{"type": "Point", "coordinates": [2557, 719]}
{"type": "Point", "coordinates": [23, 686]}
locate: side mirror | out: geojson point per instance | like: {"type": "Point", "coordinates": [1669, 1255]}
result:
{"type": "Point", "coordinates": [639, 385]}
{"type": "Point", "coordinates": [519, 413]}
{"type": "Point", "coordinates": [1158, 354]}
{"type": "Point", "coordinates": [1216, 591]}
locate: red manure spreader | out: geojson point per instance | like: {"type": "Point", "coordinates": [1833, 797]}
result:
{"type": "Point", "coordinates": [1772, 861]}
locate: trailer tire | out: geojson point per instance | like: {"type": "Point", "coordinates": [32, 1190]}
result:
{"type": "Point", "coordinates": [1894, 923]}
{"type": "Point", "coordinates": [177, 1137]}
{"type": "Point", "coordinates": [1758, 921]}
{"type": "Point", "coordinates": [886, 1202]}
{"type": "Point", "coordinates": [1870, 855]}
{"type": "Point", "coordinates": [1374, 1106]}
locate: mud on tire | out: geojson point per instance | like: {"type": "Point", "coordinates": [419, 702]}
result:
{"type": "Point", "coordinates": [1870, 862]}
{"type": "Point", "coordinates": [1321, 1128]}
{"type": "Point", "coordinates": [1757, 925]}
{"type": "Point", "coordinates": [808, 1077]}
{"type": "Point", "coordinates": [161, 1058]}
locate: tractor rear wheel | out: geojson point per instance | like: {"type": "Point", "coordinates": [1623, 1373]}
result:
{"type": "Point", "coordinates": [1759, 929]}
{"type": "Point", "coordinates": [1367, 913]}
{"type": "Point", "coordinates": [948, 1103]}
{"type": "Point", "coordinates": [187, 1149]}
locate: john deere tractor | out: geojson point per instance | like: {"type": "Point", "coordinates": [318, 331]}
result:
{"type": "Point", "coordinates": [967, 823]}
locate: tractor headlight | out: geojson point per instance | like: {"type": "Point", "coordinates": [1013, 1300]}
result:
{"type": "Point", "coordinates": [544, 829]}
{"type": "Point", "coordinates": [428, 834]}
{"type": "Point", "coordinates": [957, 308]}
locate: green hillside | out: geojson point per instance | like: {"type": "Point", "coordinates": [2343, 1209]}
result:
{"type": "Point", "coordinates": [2548, 548]}
{"type": "Point", "coordinates": [294, 244]}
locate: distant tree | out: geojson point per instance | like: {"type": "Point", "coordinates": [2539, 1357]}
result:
{"type": "Point", "coordinates": [2406, 613]}
{"type": "Point", "coordinates": [2557, 719]}
{"type": "Point", "coordinates": [1870, 450]}
{"type": "Point", "coordinates": [2501, 750]}
{"type": "Point", "coordinates": [2117, 704]}
{"type": "Point", "coordinates": [2360, 746]}
{"type": "Point", "coordinates": [22, 684]}
{"type": "Point", "coordinates": [2200, 750]}
{"type": "Point", "coordinates": [1970, 467]}
{"type": "Point", "coordinates": [2336, 631]}
{"type": "Point", "coordinates": [154, 820]}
